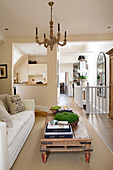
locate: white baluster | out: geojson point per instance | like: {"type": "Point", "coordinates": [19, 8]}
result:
{"type": "Point", "coordinates": [87, 98]}
{"type": "Point", "coordinates": [95, 99]}
{"type": "Point", "coordinates": [102, 98]}
{"type": "Point", "coordinates": [99, 101]}
{"type": "Point", "coordinates": [106, 100]}
{"type": "Point", "coordinates": [92, 100]}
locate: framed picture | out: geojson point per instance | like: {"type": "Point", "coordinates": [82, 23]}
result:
{"type": "Point", "coordinates": [3, 71]}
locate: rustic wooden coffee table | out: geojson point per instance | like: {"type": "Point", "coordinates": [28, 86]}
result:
{"type": "Point", "coordinates": [81, 141]}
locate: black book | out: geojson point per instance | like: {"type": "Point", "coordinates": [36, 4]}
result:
{"type": "Point", "coordinates": [59, 136]}
{"type": "Point", "coordinates": [58, 129]}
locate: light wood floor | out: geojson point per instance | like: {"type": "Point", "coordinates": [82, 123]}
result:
{"type": "Point", "coordinates": [102, 124]}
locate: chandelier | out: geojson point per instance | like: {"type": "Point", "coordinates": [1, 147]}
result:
{"type": "Point", "coordinates": [52, 39]}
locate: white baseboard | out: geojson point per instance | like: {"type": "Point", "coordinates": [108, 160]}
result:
{"type": "Point", "coordinates": [81, 106]}
{"type": "Point", "coordinates": [41, 108]}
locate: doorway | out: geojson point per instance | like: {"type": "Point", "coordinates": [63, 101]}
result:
{"type": "Point", "coordinates": [64, 82]}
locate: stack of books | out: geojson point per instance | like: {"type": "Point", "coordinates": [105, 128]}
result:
{"type": "Point", "coordinates": [58, 131]}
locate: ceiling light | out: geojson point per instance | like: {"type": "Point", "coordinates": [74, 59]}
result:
{"type": "Point", "coordinates": [52, 39]}
{"type": "Point", "coordinates": [108, 27]}
{"type": "Point", "coordinates": [6, 29]}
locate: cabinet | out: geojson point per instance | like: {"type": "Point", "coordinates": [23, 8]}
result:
{"type": "Point", "coordinates": [37, 69]}
{"type": "Point", "coordinates": [110, 53]}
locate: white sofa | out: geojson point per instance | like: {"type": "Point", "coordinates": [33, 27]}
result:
{"type": "Point", "coordinates": [13, 139]}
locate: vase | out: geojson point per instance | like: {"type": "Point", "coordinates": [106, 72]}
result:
{"type": "Point", "coordinates": [83, 82]}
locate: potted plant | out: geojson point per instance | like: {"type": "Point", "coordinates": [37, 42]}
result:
{"type": "Point", "coordinates": [98, 77]}
{"type": "Point", "coordinates": [72, 118]}
{"type": "Point", "coordinates": [83, 79]}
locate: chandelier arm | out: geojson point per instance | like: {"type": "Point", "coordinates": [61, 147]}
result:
{"type": "Point", "coordinates": [45, 45]}
{"type": "Point", "coordinates": [39, 42]}
{"type": "Point", "coordinates": [64, 43]}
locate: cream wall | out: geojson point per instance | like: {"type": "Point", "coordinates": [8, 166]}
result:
{"type": "Point", "coordinates": [6, 58]}
{"type": "Point", "coordinates": [52, 76]}
{"type": "Point", "coordinates": [21, 65]}
{"type": "Point", "coordinates": [36, 92]}
{"type": "Point", "coordinates": [92, 69]}
{"type": "Point", "coordinates": [67, 68]}
{"type": "Point", "coordinates": [23, 70]}
{"type": "Point", "coordinates": [40, 59]}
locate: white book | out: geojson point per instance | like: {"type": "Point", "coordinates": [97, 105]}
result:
{"type": "Point", "coordinates": [63, 122]}
{"type": "Point", "coordinates": [57, 126]}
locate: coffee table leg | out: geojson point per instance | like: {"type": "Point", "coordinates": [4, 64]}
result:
{"type": "Point", "coordinates": [87, 155]}
{"type": "Point", "coordinates": [44, 157]}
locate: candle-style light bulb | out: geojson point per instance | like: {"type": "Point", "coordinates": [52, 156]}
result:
{"type": "Point", "coordinates": [65, 34]}
{"type": "Point", "coordinates": [58, 27]}
{"type": "Point", "coordinates": [36, 31]}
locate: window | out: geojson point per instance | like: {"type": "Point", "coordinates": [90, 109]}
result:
{"type": "Point", "coordinates": [101, 74]}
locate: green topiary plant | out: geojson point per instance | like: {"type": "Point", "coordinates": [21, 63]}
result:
{"type": "Point", "coordinates": [67, 116]}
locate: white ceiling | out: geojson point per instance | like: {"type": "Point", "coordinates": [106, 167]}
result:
{"type": "Point", "coordinates": [31, 49]}
{"type": "Point", "coordinates": [75, 16]}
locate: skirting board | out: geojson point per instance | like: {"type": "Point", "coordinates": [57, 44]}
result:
{"type": "Point", "coordinates": [81, 106]}
{"type": "Point", "coordinates": [41, 108]}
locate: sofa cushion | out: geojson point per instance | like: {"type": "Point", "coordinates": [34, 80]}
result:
{"type": "Point", "coordinates": [22, 116]}
{"type": "Point", "coordinates": [19, 120]}
{"type": "Point", "coordinates": [5, 116]}
{"type": "Point", "coordinates": [2, 98]}
{"type": "Point", "coordinates": [15, 104]}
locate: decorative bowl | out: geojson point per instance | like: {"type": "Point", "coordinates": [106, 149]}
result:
{"type": "Point", "coordinates": [54, 108]}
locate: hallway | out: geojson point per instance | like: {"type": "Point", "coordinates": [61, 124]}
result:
{"type": "Point", "coordinates": [102, 124]}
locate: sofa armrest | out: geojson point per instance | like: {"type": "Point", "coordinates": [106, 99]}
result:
{"type": "Point", "coordinates": [4, 161]}
{"type": "Point", "coordinates": [29, 104]}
